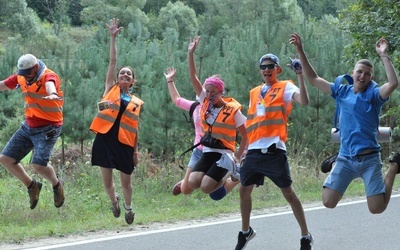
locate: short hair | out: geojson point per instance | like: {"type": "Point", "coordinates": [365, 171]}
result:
{"type": "Point", "coordinates": [366, 62]}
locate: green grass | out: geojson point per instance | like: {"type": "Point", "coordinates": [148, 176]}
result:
{"type": "Point", "coordinates": [86, 208]}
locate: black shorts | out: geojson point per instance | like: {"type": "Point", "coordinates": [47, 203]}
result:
{"type": "Point", "coordinates": [259, 165]}
{"type": "Point", "coordinates": [207, 164]}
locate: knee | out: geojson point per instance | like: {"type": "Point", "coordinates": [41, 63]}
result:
{"type": "Point", "coordinates": [376, 209]}
{"type": "Point", "coordinates": [329, 204]}
{"type": "Point", "coordinates": [5, 160]}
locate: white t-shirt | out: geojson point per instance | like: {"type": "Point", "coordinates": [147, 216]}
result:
{"type": "Point", "coordinates": [239, 118]}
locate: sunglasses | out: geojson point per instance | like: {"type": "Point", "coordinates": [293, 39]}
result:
{"type": "Point", "coordinates": [267, 66]}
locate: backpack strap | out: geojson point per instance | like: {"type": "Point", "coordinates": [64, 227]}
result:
{"type": "Point", "coordinates": [338, 81]}
{"type": "Point", "coordinates": [187, 150]}
{"type": "Point", "coordinates": [191, 111]}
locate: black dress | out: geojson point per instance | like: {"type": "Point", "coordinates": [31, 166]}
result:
{"type": "Point", "coordinates": [109, 152]}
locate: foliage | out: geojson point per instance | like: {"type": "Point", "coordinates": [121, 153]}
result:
{"type": "Point", "coordinates": [234, 36]}
{"type": "Point", "coordinates": [24, 21]}
{"type": "Point", "coordinates": [366, 22]}
{"type": "Point", "coordinates": [179, 17]}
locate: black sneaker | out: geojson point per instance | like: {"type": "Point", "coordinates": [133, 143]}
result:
{"type": "Point", "coordinates": [326, 165]}
{"type": "Point", "coordinates": [243, 239]}
{"type": "Point", "coordinates": [34, 194]}
{"type": "Point", "coordinates": [306, 243]}
{"type": "Point", "coordinates": [396, 158]}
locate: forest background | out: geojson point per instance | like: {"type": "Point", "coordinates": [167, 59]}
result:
{"type": "Point", "coordinates": [70, 36]}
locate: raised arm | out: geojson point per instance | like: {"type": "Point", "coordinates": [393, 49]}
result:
{"type": "Point", "coordinates": [198, 88]}
{"type": "Point", "coordinates": [173, 92]}
{"type": "Point", "coordinates": [308, 70]}
{"type": "Point", "coordinates": [114, 30]}
{"type": "Point", "coordinates": [382, 49]}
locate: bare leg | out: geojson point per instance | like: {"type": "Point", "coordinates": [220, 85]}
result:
{"type": "Point", "coordinates": [16, 169]}
{"type": "Point", "coordinates": [245, 205]}
{"type": "Point", "coordinates": [47, 172]}
{"type": "Point", "coordinates": [297, 208]}
{"type": "Point", "coordinates": [330, 197]}
{"type": "Point", "coordinates": [126, 185]}
{"type": "Point", "coordinates": [185, 188]}
{"type": "Point", "coordinates": [108, 182]}
{"type": "Point", "coordinates": [229, 184]}
{"type": "Point", "coordinates": [378, 203]}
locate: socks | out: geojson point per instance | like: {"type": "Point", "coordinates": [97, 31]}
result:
{"type": "Point", "coordinates": [308, 236]}
{"type": "Point", "coordinates": [128, 207]}
{"type": "Point", "coordinates": [246, 232]}
{"type": "Point", "coordinates": [57, 185]}
{"type": "Point", "coordinates": [33, 183]}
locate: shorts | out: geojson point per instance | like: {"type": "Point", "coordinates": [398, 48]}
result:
{"type": "Point", "coordinates": [195, 157]}
{"type": "Point", "coordinates": [207, 164]}
{"type": "Point", "coordinates": [41, 140]}
{"type": "Point", "coordinates": [258, 165]}
{"type": "Point", "coordinates": [346, 169]}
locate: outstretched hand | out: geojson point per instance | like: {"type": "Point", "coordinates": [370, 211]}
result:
{"type": "Point", "coordinates": [296, 41]}
{"type": "Point", "coordinates": [193, 44]}
{"type": "Point", "coordinates": [382, 46]}
{"type": "Point", "coordinates": [170, 74]}
{"type": "Point", "coordinates": [113, 26]}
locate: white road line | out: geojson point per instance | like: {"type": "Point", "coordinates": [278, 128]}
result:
{"type": "Point", "coordinates": [190, 226]}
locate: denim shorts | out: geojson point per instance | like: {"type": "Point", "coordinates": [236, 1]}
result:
{"type": "Point", "coordinates": [41, 140]}
{"type": "Point", "coordinates": [196, 155]}
{"type": "Point", "coordinates": [346, 169]}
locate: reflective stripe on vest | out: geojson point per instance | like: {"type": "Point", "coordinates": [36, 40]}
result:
{"type": "Point", "coordinates": [105, 119]}
{"type": "Point", "coordinates": [35, 105]}
{"type": "Point", "coordinates": [274, 122]}
{"type": "Point", "coordinates": [224, 126]}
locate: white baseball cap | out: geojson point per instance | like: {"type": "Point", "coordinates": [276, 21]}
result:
{"type": "Point", "coordinates": [26, 63]}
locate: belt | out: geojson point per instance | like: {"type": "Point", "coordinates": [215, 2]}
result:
{"type": "Point", "coordinates": [270, 150]}
{"type": "Point", "coordinates": [369, 153]}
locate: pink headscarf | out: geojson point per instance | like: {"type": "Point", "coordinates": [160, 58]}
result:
{"type": "Point", "coordinates": [218, 83]}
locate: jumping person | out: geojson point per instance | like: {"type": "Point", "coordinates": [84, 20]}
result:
{"type": "Point", "coordinates": [359, 153]}
{"type": "Point", "coordinates": [41, 88]}
{"type": "Point", "coordinates": [267, 121]}
{"type": "Point", "coordinates": [116, 126]}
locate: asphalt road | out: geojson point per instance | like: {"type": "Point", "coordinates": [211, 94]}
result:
{"type": "Point", "coordinates": [348, 226]}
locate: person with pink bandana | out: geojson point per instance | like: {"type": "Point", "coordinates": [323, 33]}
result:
{"type": "Point", "coordinates": [221, 119]}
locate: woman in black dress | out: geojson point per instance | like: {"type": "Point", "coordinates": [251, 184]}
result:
{"type": "Point", "coordinates": [116, 128]}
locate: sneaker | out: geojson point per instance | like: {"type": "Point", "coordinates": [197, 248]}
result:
{"type": "Point", "coordinates": [326, 165]}
{"type": "Point", "coordinates": [34, 194]}
{"type": "Point", "coordinates": [129, 215]}
{"type": "Point", "coordinates": [235, 175]}
{"type": "Point", "coordinates": [306, 243]}
{"type": "Point", "coordinates": [59, 195]}
{"type": "Point", "coordinates": [116, 211]}
{"type": "Point", "coordinates": [177, 188]}
{"type": "Point", "coordinates": [243, 239]}
{"type": "Point", "coordinates": [396, 158]}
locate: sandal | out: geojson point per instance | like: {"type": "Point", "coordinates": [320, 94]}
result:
{"type": "Point", "coordinates": [129, 215]}
{"type": "Point", "coordinates": [116, 211]}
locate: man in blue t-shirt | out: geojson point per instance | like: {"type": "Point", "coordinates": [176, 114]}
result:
{"type": "Point", "coordinates": [359, 105]}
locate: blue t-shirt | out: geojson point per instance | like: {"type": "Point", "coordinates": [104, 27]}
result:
{"type": "Point", "coordinates": [358, 119]}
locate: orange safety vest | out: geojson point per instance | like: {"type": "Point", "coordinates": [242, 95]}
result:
{"type": "Point", "coordinates": [35, 105]}
{"type": "Point", "coordinates": [105, 119]}
{"type": "Point", "coordinates": [224, 126]}
{"type": "Point", "coordinates": [274, 123]}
